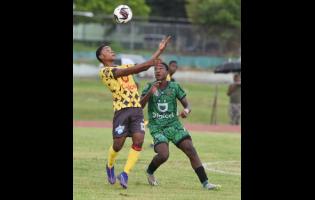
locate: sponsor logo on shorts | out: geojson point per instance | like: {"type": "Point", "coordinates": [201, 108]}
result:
{"type": "Point", "coordinates": [142, 126]}
{"type": "Point", "coordinates": [119, 129]}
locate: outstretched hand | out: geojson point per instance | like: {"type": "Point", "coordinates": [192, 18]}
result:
{"type": "Point", "coordinates": [164, 43]}
{"type": "Point", "coordinates": [155, 87]}
{"type": "Point", "coordinates": [183, 114]}
{"type": "Point", "coordinates": [157, 61]}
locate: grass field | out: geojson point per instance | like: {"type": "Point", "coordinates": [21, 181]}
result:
{"type": "Point", "coordinates": [219, 151]}
{"type": "Point", "coordinates": [93, 101]}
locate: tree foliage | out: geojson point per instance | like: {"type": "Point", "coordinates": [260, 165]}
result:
{"type": "Point", "coordinates": [222, 13]}
{"type": "Point", "coordinates": [220, 18]}
{"type": "Point", "coordinates": [138, 7]}
{"type": "Point", "coordinates": [168, 8]}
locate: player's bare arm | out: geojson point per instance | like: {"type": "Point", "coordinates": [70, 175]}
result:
{"type": "Point", "coordinates": [146, 65]}
{"type": "Point", "coordinates": [186, 106]}
{"type": "Point", "coordinates": [135, 69]}
{"type": "Point", "coordinates": [144, 99]}
{"type": "Point", "coordinates": [161, 48]}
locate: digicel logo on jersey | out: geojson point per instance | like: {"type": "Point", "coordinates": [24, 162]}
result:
{"type": "Point", "coordinates": [162, 116]}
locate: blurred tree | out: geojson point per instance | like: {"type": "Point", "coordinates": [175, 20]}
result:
{"type": "Point", "coordinates": [138, 7]}
{"type": "Point", "coordinates": [167, 8]}
{"type": "Point", "coordinates": [221, 18]}
{"type": "Point", "coordinates": [221, 13]}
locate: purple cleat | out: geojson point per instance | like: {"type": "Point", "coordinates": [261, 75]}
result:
{"type": "Point", "coordinates": [123, 179]}
{"type": "Point", "coordinates": [111, 175]}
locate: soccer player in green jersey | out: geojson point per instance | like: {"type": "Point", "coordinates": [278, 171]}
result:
{"type": "Point", "coordinates": [165, 126]}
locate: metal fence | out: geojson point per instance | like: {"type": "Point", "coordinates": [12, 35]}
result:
{"type": "Point", "coordinates": [140, 35]}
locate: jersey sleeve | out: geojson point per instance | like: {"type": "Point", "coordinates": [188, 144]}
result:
{"type": "Point", "coordinates": [180, 93]}
{"type": "Point", "coordinates": [168, 77]}
{"type": "Point", "coordinates": [107, 73]}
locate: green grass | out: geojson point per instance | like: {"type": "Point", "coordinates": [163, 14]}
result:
{"type": "Point", "coordinates": [93, 101]}
{"type": "Point", "coordinates": [176, 177]}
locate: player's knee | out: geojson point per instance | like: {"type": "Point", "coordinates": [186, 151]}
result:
{"type": "Point", "coordinates": [163, 156]}
{"type": "Point", "coordinates": [117, 147]}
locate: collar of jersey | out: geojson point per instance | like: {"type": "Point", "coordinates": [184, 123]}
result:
{"type": "Point", "coordinates": [168, 83]}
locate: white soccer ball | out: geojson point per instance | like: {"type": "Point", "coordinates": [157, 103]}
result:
{"type": "Point", "coordinates": [122, 14]}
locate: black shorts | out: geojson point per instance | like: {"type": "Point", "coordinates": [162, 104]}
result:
{"type": "Point", "coordinates": [128, 121]}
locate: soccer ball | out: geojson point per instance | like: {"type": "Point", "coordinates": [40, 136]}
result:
{"type": "Point", "coordinates": [122, 14]}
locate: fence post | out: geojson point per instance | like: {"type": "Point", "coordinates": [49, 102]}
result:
{"type": "Point", "coordinates": [213, 119]}
{"type": "Point", "coordinates": [132, 36]}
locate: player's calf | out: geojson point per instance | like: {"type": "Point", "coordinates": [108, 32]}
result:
{"type": "Point", "coordinates": [133, 156]}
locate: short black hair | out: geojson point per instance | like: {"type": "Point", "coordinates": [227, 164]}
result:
{"type": "Point", "coordinates": [165, 65]}
{"type": "Point", "coordinates": [99, 50]}
{"type": "Point", "coordinates": [172, 61]}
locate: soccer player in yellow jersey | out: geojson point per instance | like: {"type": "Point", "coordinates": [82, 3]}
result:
{"type": "Point", "coordinates": [128, 115]}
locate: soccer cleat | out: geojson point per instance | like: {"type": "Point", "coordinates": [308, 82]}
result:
{"type": "Point", "coordinates": [210, 186]}
{"type": "Point", "coordinates": [111, 175]}
{"type": "Point", "coordinates": [151, 179]}
{"type": "Point", "coordinates": [123, 179]}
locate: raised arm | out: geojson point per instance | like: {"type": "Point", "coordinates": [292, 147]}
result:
{"type": "Point", "coordinates": [161, 48]}
{"type": "Point", "coordinates": [146, 65]}
{"type": "Point", "coordinates": [144, 99]}
{"type": "Point", "coordinates": [135, 69]}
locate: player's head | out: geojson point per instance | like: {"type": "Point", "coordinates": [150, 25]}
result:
{"type": "Point", "coordinates": [105, 53]}
{"type": "Point", "coordinates": [161, 71]}
{"type": "Point", "coordinates": [172, 67]}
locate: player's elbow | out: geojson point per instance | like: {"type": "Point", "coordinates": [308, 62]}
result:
{"type": "Point", "coordinates": [142, 103]}
{"type": "Point", "coordinates": [144, 68]}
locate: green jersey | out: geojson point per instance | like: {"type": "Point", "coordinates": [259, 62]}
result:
{"type": "Point", "coordinates": [162, 105]}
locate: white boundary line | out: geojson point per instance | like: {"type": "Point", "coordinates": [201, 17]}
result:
{"type": "Point", "coordinates": [207, 166]}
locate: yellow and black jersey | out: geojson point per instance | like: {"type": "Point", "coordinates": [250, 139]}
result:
{"type": "Point", "coordinates": [168, 77]}
{"type": "Point", "coordinates": [124, 89]}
